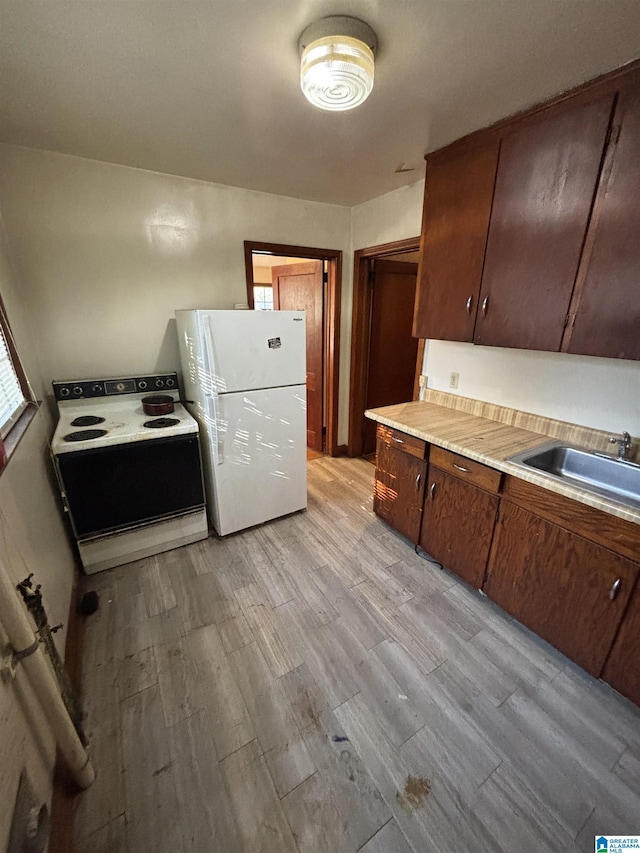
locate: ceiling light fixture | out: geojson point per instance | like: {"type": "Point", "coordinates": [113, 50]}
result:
{"type": "Point", "coordinates": [337, 62]}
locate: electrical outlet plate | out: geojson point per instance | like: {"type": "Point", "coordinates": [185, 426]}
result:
{"type": "Point", "coordinates": [454, 379]}
{"type": "Point", "coordinates": [422, 381]}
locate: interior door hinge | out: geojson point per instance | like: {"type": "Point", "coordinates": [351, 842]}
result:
{"type": "Point", "coordinates": [372, 275]}
{"type": "Point", "coordinates": [325, 277]}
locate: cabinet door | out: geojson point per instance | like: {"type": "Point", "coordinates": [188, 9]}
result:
{"type": "Point", "coordinates": [457, 205]}
{"type": "Point", "coordinates": [569, 591]}
{"type": "Point", "coordinates": [457, 525]}
{"type": "Point", "coordinates": [622, 669]}
{"type": "Point", "coordinates": [607, 320]}
{"type": "Point", "coordinates": [399, 490]}
{"type": "Point", "coordinates": [545, 185]}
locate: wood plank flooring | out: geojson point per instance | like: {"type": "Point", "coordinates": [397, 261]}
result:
{"type": "Point", "coordinates": [314, 686]}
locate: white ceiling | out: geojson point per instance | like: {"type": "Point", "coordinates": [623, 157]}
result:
{"type": "Point", "coordinates": [210, 89]}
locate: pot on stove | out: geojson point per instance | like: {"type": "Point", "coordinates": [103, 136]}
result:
{"type": "Point", "coordinates": [157, 404]}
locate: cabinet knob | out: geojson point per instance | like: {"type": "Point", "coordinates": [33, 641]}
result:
{"type": "Point", "coordinates": [485, 305]}
{"type": "Point", "coordinates": [418, 478]}
{"type": "Point", "coordinates": [469, 304]}
{"type": "Point", "coordinates": [614, 589]}
{"type": "Point", "coordinates": [432, 490]}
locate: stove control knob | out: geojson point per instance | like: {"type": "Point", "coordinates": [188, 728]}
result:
{"type": "Point", "coordinates": [142, 384]}
{"type": "Point", "coordinates": [170, 382]}
{"type": "Point", "coordinates": [77, 391]}
{"type": "Point", "coordinates": [64, 392]}
{"type": "Point", "coordinates": [97, 388]}
{"type": "Point", "coordinates": [159, 383]}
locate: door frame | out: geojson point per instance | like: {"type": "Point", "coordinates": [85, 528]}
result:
{"type": "Point", "coordinates": [331, 321]}
{"type": "Point", "coordinates": [360, 333]}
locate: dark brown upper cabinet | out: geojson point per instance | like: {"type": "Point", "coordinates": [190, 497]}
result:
{"type": "Point", "coordinates": [605, 314]}
{"type": "Point", "coordinates": [458, 194]}
{"type": "Point", "coordinates": [545, 185]}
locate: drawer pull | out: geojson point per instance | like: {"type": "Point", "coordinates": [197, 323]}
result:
{"type": "Point", "coordinates": [418, 478]}
{"type": "Point", "coordinates": [614, 589]}
{"type": "Point", "coordinates": [485, 305]}
{"type": "Point", "coordinates": [460, 468]}
{"type": "Point", "coordinates": [469, 304]}
{"type": "Point", "coordinates": [397, 440]}
{"type": "Point", "coordinates": [432, 490]}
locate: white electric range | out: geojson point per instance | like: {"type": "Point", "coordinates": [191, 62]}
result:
{"type": "Point", "coordinates": [131, 483]}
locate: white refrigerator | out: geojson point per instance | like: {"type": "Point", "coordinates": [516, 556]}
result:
{"type": "Point", "coordinates": [244, 378]}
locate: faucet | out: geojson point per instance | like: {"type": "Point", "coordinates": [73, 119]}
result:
{"type": "Point", "coordinates": [624, 445]}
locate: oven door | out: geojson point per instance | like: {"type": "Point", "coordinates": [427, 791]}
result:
{"type": "Point", "coordinates": [124, 485]}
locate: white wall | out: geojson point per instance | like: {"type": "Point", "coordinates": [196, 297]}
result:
{"type": "Point", "coordinates": [596, 392]}
{"type": "Point", "coordinates": [107, 253]}
{"type": "Point", "coordinates": [32, 539]}
{"type": "Point", "coordinates": [394, 216]}
{"type": "Point", "coordinates": [601, 393]}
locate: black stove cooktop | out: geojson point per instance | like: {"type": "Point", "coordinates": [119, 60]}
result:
{"type": "Point", "coordinates": [87, 420]}
{"type": "Point", "coordinates": [85, 434]}
{"type": "Point", "coordinates": [161, 423]}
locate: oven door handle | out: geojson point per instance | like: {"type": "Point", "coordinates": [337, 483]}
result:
{"type": "Point", "coordinates": [214, 431]}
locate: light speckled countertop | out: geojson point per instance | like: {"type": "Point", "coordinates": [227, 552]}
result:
{"type": "Point", "coordinates": [487, 441]}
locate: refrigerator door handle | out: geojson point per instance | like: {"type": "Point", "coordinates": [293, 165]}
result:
{"type": "Point", "coordinates": [214, 427]}
{"type": "Point", "coordinates": [208, 349]}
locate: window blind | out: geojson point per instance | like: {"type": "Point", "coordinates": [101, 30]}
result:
{"type": "Point", "coordinates": [12, 401]}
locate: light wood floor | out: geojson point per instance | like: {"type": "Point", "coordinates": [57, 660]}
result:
{"type": "Point", "coordinates": [313, 685]}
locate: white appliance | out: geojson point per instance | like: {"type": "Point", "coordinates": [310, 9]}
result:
{"type": "Point", "coordinates": [131, 483]}
{"type": "Point", "coordinates": [244, 376]}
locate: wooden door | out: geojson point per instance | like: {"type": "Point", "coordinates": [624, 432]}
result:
{"type": "Point", "coordinates": [299, 287]}
{"type": "Point", "coordinates": [607, 319]}
{"type": "Point", "coordinates": [392, 349]}
{"type": "Point", "coordinates": [457, 206]}
{"type": "Point", "coordinates": [457, 525]}
{"type": "Point", "coordinates": [545, 186]}
{"type": "Point", "coordinates": [622, 669]}
{"type": "Point", "coordinates": [559, 585]}
{"type": "Point", "coordinates": [399, 489]}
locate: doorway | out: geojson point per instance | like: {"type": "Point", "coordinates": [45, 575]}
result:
{"type": "Point", "coordinates": [386, 361]}
{"type": "Point", "coordinates": [299, 278]}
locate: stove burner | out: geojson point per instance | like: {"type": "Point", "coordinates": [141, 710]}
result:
{"type": "Point", "coordinates": [87, 420]}
{"type": "Point", "coordinates": [85, 434]}
{"type": "Point", "coordinates": [161, 423]}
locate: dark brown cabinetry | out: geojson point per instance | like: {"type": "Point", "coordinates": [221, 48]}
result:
{"type": "Point", "coordinates": [543, 210]}
{"type": "Point", "coordinates": [399, 485]}
{"type": "Point", "coordinates": [570, 591]}
{"type": "Point", "coordinates": [605, 316]}
{"type": "Point", "coordinates": [622, 669]}
{"type": "Point", "coordinates": [458, 195]}
{"type": "Point", "coordinates": [564, 569]}
{"type": "Point", "coordinates": [457, 525]}
{"type": "Point", "coordinates": [544, 190]}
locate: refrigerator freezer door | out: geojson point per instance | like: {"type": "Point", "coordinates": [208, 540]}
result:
{"type": "Point", "coordinates": [231, 351]}
{"type": "Point", "coordinates": [258, 469]}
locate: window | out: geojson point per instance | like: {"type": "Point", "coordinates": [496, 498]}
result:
{"type": "Point", "coordinates": [13, 400]}
{"type": "Point", "coordinates": [263, 297]}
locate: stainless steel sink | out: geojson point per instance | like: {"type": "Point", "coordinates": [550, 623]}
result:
{"type": "Point", "coordinates": [613, 478]}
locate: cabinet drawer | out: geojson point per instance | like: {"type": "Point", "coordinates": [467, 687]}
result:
{"type": "Point", "coordinates": [473, 472]}
{"type": "Point", "coordinates": [402, 441]}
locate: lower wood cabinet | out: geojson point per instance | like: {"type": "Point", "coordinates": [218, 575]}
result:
{"type": "Point", "coordinates": [399, 484]}
{"type": "Point", "coordinates": [457, 525]}
{"type": "Point", "coordinates": [622, 669]}
{"type": "Point", "coordinates": [570, 591]}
